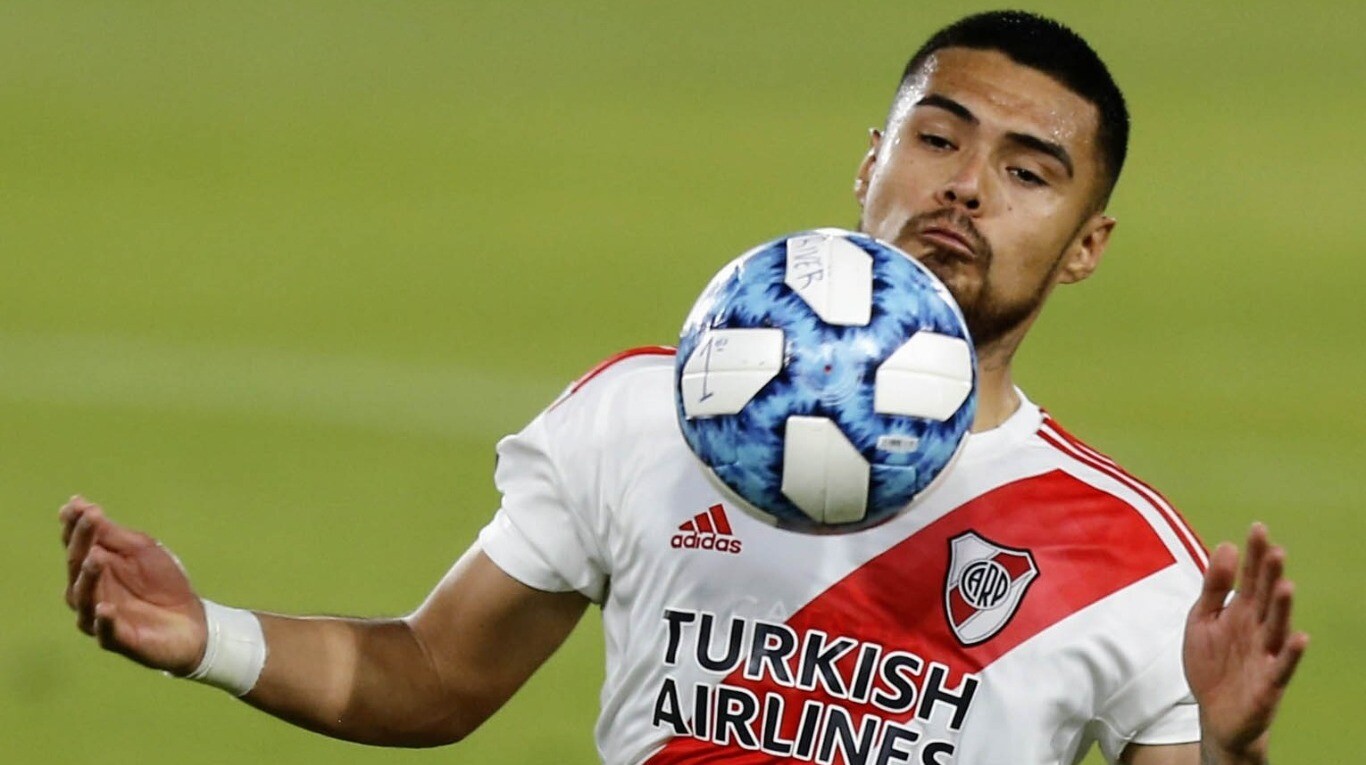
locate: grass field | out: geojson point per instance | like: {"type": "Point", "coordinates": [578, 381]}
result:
{"type": "Point", "coordinates": [277, 275]}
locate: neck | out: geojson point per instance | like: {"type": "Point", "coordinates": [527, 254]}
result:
{"type": "Point", "coordinates": [996, 396]}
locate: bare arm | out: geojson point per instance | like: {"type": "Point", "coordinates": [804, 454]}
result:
{"type": "Point", "coordinates": [424, 680]}
{"type": "Point", "coordinates": [1174, 754]}
{"type": "Point", "coordinates": [1239, 654]}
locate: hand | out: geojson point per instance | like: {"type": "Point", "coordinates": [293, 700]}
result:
{"type": "Point", "coordinates": [129, 592]}
{"type": "Point", "coordinates": [1239, 657]}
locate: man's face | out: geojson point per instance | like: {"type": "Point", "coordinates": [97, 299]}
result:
{"type": "Point", "coordinates": [988, 174]}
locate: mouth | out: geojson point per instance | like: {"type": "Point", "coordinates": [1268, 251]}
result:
{"type": "Point", "coordinates": [949, 240]}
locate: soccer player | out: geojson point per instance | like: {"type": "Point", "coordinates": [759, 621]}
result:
{"type": "Point", "coordinates": [1036, 603]}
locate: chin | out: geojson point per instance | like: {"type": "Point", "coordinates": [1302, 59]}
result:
{"type": "Point", "coordinates": [953, 272]}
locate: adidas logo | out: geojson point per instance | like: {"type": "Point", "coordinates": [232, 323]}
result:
{"type": "Point", "coordinates": [707, 531]}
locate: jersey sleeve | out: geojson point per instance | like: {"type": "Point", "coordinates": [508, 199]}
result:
{"type": "Point", "coordinates": [1155, 707]}
{"type": "Point", "coordinates": [560, 476]}
{"type": "Point", "coordinates": [542, 535]}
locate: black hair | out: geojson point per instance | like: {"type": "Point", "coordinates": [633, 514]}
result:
{"type": "Point", "coordinates": [1052, 48]}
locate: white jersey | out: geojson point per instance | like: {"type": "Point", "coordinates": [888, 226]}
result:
{"type": "Point", "coordinates": [1030, 605]}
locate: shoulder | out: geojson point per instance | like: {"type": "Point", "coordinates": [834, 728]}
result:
{"type": "Point", "coordinates": [616, 370]}
{"type": "Point", "coordinates": [620, 407]}
{"type": "Point", "coordinates": [625, 398]}
{"type": "Point", "coordinates": [1116, 494]}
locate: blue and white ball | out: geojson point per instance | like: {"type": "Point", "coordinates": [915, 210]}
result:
{"type": "Point", "coordinates": [825, 380]}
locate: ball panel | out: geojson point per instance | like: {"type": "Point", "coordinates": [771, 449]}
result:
{"type": "Point", "coordinates": [823, 474]}
{"type": "Point", "coordinates": [833, 276]}
{"type": "Point", "coordinates": [930, 376]}
{"type": "Point", "coordinates": [727, 368]}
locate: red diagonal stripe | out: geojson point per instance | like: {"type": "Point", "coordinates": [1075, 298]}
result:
{"type": "Point", "coordinates": [718, 517]}
{"type": "Point", "coordinates": [1014, 564]}
{"type": "Point", "coordinates": [1077, 450]}
{"type": "Point", "coordinates": [1086, 544]}
{"type": "Point", "coordinates": [959, 608]}
{"type": "Point", "coordinates": [687, 526]}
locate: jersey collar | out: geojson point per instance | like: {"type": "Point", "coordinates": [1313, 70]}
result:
{"type": "Point", "coordinates": [1020, 425]}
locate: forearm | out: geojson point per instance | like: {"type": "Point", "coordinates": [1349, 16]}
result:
{"type": "Point", "coordinates": [426, 680]}
{"type": "Point", "coordinates": [1204, 753]}
{"type": "Point", "coordinates": [1211, 754]}
{"type": "Point", "coordinates": [369, 681]}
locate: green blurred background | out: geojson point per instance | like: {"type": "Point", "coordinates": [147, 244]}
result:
{"type": "Point", "coordinates": [276, 276]}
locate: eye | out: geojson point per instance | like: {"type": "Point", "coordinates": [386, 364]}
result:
{"type": "Point", "coordinates": [935, 141]}
{"type": "Point", "coordinates": [1026, 177]}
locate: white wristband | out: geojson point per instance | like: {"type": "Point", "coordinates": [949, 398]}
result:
{"type": "Point", "coordinates": [235, 652]}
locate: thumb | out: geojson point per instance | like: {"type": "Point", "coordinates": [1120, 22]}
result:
{"type": "Point", "coordinates": [121, 539]}
{"type": "Point", "coordinates": [114, 633]}
{"type": "Point", "coordinates": [167, 637]}
{"type": "Point", "coordinates": [1219, 577]}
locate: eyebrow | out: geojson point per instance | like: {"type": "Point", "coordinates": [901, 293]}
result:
{"type": "Point", "coordinates": [949, 105]}
{"type": "Point", "coordinates": [1034, 143]}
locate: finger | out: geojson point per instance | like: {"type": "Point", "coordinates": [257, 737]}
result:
{"type": "Point", "coordinates": [1223, 563]}
{"type": "Point", "coordinates": [78, 545]}
{"type": "Point", "coordinates": [1278, 616]}
{"type": "Point", "coordinates": [70, 513]}
{"type": "Point", "coordinates": [84, 590]}
{"type": "Point", "coordinates": [1285, 665]}
{"type": "Point", "coordinates": [1252, 562]}
{"type": "Point", "coordinates": [82, 542]}
{"type": "Point", "coordinates": [1273, 568]}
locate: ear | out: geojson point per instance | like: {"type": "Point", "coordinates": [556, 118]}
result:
{"type": "Point", "coordinates": [1084, 255]}
{"type": "Point", "coordinates": [865, 168]}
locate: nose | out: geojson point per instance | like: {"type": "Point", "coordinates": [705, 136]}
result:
{"type": "Point", "coordinates": [964, 188]}
{"type": "Point", "coordinates": [969, 201]}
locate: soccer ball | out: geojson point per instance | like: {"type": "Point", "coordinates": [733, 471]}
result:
{"type": "Point", "coordinates": [825, 380]}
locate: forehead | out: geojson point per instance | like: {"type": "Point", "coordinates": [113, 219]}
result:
{"type": "Point", "coordinates": [1007, 96]}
